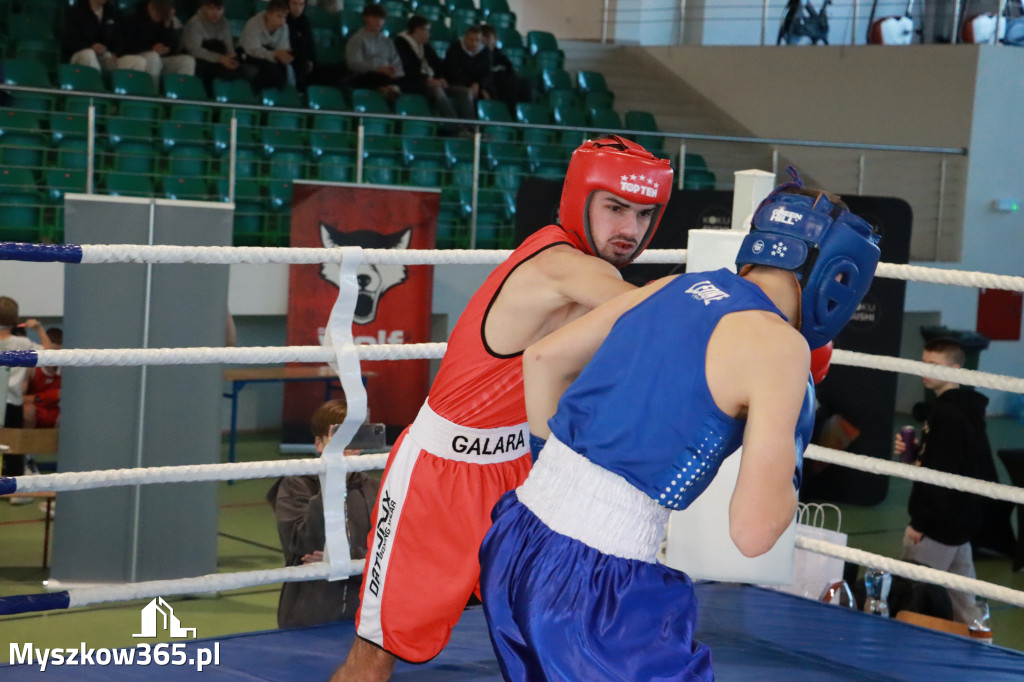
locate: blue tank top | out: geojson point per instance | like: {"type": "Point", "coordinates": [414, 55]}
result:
{"type": "Point", "coordinates": [649, 416]}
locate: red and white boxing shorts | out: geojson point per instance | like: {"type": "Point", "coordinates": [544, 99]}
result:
{"type": "Point", "coordinates": [434, 508]}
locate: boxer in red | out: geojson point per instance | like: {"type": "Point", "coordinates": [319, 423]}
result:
{"type": "Point", "coordinates": [470, 442]}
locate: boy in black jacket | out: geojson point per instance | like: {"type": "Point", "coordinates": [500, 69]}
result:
{"type": "Point", "coordinates": [299, 507]}
{"type": "Point", "coordinates": [954, 440]}
{"type": "Point", "coordinates": [149, 31]}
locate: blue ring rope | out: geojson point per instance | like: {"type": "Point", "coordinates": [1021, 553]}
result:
{"type": "Point", "coordinates": [28, 603]}
{"type": "Point", "coordinates": [41, 253]}
{"type": "Point", "coordinates": [19, 358]}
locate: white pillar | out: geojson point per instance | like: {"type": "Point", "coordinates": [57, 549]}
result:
{"type": "Point", "coordinates": [698, 540]}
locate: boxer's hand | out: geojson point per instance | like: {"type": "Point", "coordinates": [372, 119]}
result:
{"type": "Point", "coordinates": [821, 360]}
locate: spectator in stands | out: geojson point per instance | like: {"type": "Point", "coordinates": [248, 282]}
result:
{"type": "Point", "coordinates": [300, 34]}
{"type": "Point", "coordinates": [207, 37]}
{"type": "Point", "coordinates": [299, 507]}
{"type": "Point", "coordinates": [90, 34]}
{"type": "Point", "coordinates": [468, 64]}
{"type": "Point", "coordinates": [12, 337]}
{"type": "Point", "coordinates": [41, 395]}
{"type": "Point", "coordinates": [372, 57]}
{"type": "Point", "coordinates": [506, 85]}
{"type": "Point", "coordinates": [422, 69]}
{"type": "Point", "coordinates": [149, 32]}
{"type": "Point", "coordinates": [266, 44]}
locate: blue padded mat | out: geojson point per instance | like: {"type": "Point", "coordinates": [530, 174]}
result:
{"type": "Point", "coordinates": [754, 634]}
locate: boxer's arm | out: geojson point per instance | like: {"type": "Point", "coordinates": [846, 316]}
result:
{"type": "Point", "coordinates": [553, 363]}
{"type": "Point", "coordinates": [575, 277]}
{"type": "Point", "coordinates": [764, 501]}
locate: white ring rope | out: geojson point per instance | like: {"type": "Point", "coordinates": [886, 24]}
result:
{"type": "Point", "coordinates": [254, 355]}
{"type": "Point", "coordinates": [216, 582]}
{"type": "Point", "coordinates": [961, 278]}
{"type": "Point", "coordinates": [874, 465]}
{"type": "Point", "coordinates": [187, 473]}
{"type": "Point", "coordinates": [226, 255]}
{"type": "Point", "coordinates": [124, 357]}
{"type": "Point", "coordinates": [968, 377]}
{"type": "Point", "coordinates": [913, 571]}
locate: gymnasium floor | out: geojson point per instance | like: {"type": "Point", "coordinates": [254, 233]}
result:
{"type": "Point", "coordinates": [248, 541]}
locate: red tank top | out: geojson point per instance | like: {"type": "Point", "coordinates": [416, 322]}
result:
{"type": "Point", "coordinates": [476, 387]}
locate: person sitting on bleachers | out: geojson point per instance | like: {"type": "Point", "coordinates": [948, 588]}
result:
{"type": "Point", "coordinates": [149, 32]}
{"type": "Point", "coordinates": [207, 37]}
{"type": "Point", "coordinates": [372, 57]}
{"type": "Point", "coordinates": [90, 34]}
{"type": "Point", "coordinates": [506, 85]}
{"type": "Point", "coordinates": [422, 69]}
{"type": "Point", "coordinates": [41, 395]}
{"type": "Point", "coordinates": [468, 64]}
{"type": "Point", "coordinates": [266, 46]}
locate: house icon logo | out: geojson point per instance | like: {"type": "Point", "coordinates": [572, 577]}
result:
{"type": "Point", "coordinates": [158, 614]}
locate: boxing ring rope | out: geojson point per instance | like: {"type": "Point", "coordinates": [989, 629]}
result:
{"type": "Point", "coordinates": [256, 255]}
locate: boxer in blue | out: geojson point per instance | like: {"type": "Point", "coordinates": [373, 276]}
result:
{"type": "Point", "coordinates": [640, 400]}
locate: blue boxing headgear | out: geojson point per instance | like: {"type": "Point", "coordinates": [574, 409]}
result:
{"type": "Point", "coordinates": [832, 252]}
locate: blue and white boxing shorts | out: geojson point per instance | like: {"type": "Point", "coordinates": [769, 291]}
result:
{"type": "Point", "coordinates": [570, 586]}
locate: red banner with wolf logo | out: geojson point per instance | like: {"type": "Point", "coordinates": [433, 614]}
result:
{"type": "Point", "coordinates": [394, 301]}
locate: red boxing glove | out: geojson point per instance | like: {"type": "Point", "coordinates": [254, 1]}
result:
{"type": "Point", "coordinates": [821, 360]}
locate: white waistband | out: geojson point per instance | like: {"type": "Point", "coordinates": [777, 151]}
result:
{"type": "Point", "coordinates": [576, 498]}
{"type": "Point", "coordinates": [446, 439]}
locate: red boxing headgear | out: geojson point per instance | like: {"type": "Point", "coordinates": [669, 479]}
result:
{"type": "Point", "coordinates": [619, 166]}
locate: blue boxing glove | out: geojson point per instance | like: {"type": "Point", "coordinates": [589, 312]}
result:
{"type": "Point", "coordinates": [804, 431]}
{"type": "Point", "coordinates": [536, 445]}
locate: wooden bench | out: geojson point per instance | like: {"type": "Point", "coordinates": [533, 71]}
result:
{"type": "Point", "coordinates": [23, 442]}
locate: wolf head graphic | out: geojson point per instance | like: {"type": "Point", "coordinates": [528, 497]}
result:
{"type": "Point", "coordinates": [373, 280]}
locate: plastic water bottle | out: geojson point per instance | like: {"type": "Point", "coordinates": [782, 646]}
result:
{"type": "Point", "coordinates": [980, 628]}
{"type": "Point", "coordinates": [876, 584]}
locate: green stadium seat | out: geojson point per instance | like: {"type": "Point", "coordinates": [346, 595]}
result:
{"type": "Point", "coordinates": [549, 59]}
{"type": "Point", "coordinates": [555, 79]}
{"type": "Point", "coordinates": [21, 140]}
{"type": "Point", "coordinates": [29, 73]}
{"type": "Point", "coordinates": [381, 170]}
{"type": "Point", "coordinates": [321, 18]}
{"type": "Point", "coordinates": [426, 173]}
{"type": "Point", "coordinates": [325, 98]}
{"type": "Point", "coordinates": [249, 209]}
{"type": "Point", "coordinates": [129, 82]}
{"type": "Point", "coordinates": [489, 6]}
{"type": "Point", "coordinates": [239, 9]}
{"type": "Point", "coordinates": [351, 21]}
{"type": "Point", "coordinates": [247, 135]}
{"type": "Point", "coordinates": [454, 5]}
{"type": "Point", "coordinates": [605, 120]}
{"type": "Point", "coordinates": [30, 26]}
{"type": "Point", "coordinates": [331, 135]}
{"type": "Point", "coordinates": [422, 149]}
{"type": "Point", "coordinates": [462, 18]}
{"type": "Point", "coordinates": [135, 157]}
{"type": "Point", "coordinates": [287, 96]}
{"type": "Point", "coordinates": [538, 41]}
{"type": "Point", "coordinates": [433, 13]}
{"type": "Point", "coordinates": [287, 165]}
{"type": "Point", "coordinates": [536, 114]}
{"type": "Point", "coordinates": [507, 163]}
{"type": "Point", "coordinates": [128, 184]}
{"type": "Point", "coordinates": [72, 154]}
{"type": "Point", "coordinates": [509, 38]}
{"type": "Point", "coordinates": [60, 182]}
{"type": "Point", "coordinates": [190, 161]}
{"type": "Point", "coordinates": [65, 124]}
{"type": "Point", "coordinates": [495, 112]}
{"type": "Point", "coordinates": [502, 19]}
{"type": "Point", "coordinates": [415, 105]}
{"type": "Point", "coordinates": [459, 154]}
{"type": "Point", "coordinates": [183, 134]}
{"type": "Point", "coordinates": [248, 163]}
{"type": "Point", "coordinates": [185, 187]}
{"type": "Point", "coordinates": [122, 129]}
{"type": "Point", "coordinates": [589, 81]}
{"type": "Point", "coordinates": [184, 87]}
{"type": "Point", "coordinates": [547, 161]}
{"type": "Point", "coordinates": [372, 102]}
{"type": "Point", "coordinates": [233, 92]}
{"type": "Point", "coordinates": [292, 121]}
{"type": "Point", "coordinates": [81, 79]}
{"type": "Point", "coordinates": [696, 175]}
{"type": "Point", "coordinates": [279, 192]}
{"type": "Point", "coordinates": [644, 121]}
{"type": "Point", "coordinates": [440, 45]}
{"type": "Point", "coordinates": [46, 51]}
{"type": "Point", "coordinates": [336, 167]}
{"type": "Point", "coordinates": [393, 25]}
{"type": "Point", "coordinates": [598, 99]}
{"type": "Point", "coordinates": [562, 97]}
{"type": "Point", "coordinates": [418, 5]}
